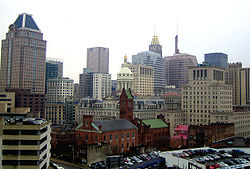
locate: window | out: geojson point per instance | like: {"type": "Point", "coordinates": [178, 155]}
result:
{"type": "Point", "coordinates": [95, 138]}
{"type": "Point", "coordinates": [128, 136]}
{"type": "Point", "coordinates": [87, 138]}
{"type": "Point", "coordinates": [110, 137]}
{"type": "Point", "coordinates": [122, 136]}
{"type": "Point", "coordinates": [116, 136]}
{"type": "Point", "coordinates": [104, 138]}
{"type": "Point", "coordinates": [133, 134]}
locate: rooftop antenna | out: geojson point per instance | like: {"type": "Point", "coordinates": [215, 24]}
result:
{"type": "Point", "coordinates": [176, 39]}
{"type": "Point", "coordinates": [154, 30]}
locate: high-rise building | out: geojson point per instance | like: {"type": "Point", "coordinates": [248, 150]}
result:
{"type": "Point", "coordinates": [125, 78]}
{"type": "Point", "coordinates": [232, 77]}
{"type": "Point", "coordinates": [59, 89]}
{"type": "Point", "coordinates": [176, 66]}
{"type": "Point", "coordinates": [244, 86]}
{"type": "Point", "coordinates": [154, 60]}
{"type": "Point", "coordinates": [101, 85]}
{"type": "Point", "coordinates": [143, 84]}
{"type": "Point", "coordinates": [98, 59]}
{"type": "Point", "coordinates": [23, 56]}
{"type": "Point", "coordinates": [54, 69]}
{"type": "Point", "coordinates": [86, 83]}
{"type": "Point", "coordinates": [205, 93]}
{"type": "Point", "coordinates": [155, 46]}
{"type": "Point", "coordinates": [216, 59]}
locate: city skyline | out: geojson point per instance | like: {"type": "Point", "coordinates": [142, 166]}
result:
{"type": "Point", "coordinates": [128, 28]}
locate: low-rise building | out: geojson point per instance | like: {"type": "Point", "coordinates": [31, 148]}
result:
{"type": "Point", "coordinates": [25, 143]}
{"type": "Point", "coordinates": [119, 133]}
{"type": "Point", "coordinates": [200, 135]}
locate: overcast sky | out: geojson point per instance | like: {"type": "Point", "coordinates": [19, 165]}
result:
{"type": "Point", "coordinates": [70, 27]}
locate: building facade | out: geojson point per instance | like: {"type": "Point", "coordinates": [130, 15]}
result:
{"type": "Point", "coordinates": [101, 85]}
{"type": "Point", "coordinates": [23, 56]}
{"type": "Point", "coordinates": [24, 143]}
{"type": "Point", "coordinates": [125, 78]}
{"type": "Point", "coordinates": [55, 113]}
{"type": "Point", "coordinates": [54, 70]}
{"type": "Point", "coordinates": [155, 46]}
{"type": "Point", "coordinates": [86, 83]}
{"type": "Point", "coordinates": [177, 68]}
{"type": "Point", "coordinates": [216, 59]}
{"type": "Point", "coordinates": [154, 60]}
{"type": "Point", "coordinates": [98, 59]}
{"type": "Point", "coordinates": [143, 84]}
{"type": "Point", "coordinates": [35, 101]}
{"type": "Point", "coordinates": [59, 89]}
{"type": "Point", "coordinates": [244, 86]}
{"type": "Point", "coordinates": [120, 133]}
{"type": "Point", "coordinates": [232, 77]}
{"type": "Point", "coordinates": [240, 119]}
{"type": "Point", "coordinates": [205, 93]}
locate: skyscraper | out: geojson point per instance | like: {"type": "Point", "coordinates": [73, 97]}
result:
{"type": "Point", "coordinates": [176, 66]}
{"type": "Point", "coordinates": [217, 59]}
{"type": "Point", "coordinates": [54, 69]}
{"type": "Point", "coordinates": [155, 46]}
{"type": "Point", "coordinates": [244, 86]}
{"type": "Point", "coordinates": [232, 77]}
{"type": "Point", "coordinates": [98, 59]}
{"type": "Point", "coordinates": [86, 83]}
{"type": "Point", "coordinates": [23, 56]}
{"type": "Point", "coordinates": [154, 60]}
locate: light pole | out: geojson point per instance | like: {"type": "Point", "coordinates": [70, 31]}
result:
{"type": "Point", "coordinates": [73, 153]}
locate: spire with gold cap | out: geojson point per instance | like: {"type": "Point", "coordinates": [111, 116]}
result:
{"type": "Point", "coordinates": [155, 45]}
{"type": "Point", "coordinates": [155, 40]}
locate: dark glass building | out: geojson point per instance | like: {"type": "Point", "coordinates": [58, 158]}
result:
{"type": "Point", "coordinates": [54, 70]}
{"type": "Point", "coordinates": [217, 59]}
{"type": "Point", "coordinates": [86, 83]}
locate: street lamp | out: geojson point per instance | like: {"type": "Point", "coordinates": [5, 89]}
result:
{"type": "Point", "coordinates": [73, 153]}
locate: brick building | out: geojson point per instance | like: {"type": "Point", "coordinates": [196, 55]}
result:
{"type": "Point", "coordinates": [35, 101]}
{"type": "Point", "coordinates": [201, 135]}
{"type": "Point", "coordinates": [121, 134]}
{"type": "Point", "coordinates": [151, 132]}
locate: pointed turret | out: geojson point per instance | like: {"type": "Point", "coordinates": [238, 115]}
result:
{"type": "Point", "coordinates": [25, 21]}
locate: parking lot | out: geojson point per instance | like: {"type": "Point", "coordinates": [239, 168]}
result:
{"type": "Point", "coordinates": [216, 158]}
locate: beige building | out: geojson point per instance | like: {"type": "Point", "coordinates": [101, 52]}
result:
{"type": "Point", "coordinates": [55, 113]}
{"type": "Point", "coordinates": [101, 85]}
{"type": "Point", "coordinates": [205, 93]}
{"type": "Point", "coordinates": [59, 89]}
{"type": "Point", "coordinates": [240, 119]}
{"type": "Point", "coordinates": [232, 77]}
{"type": "Point", "coordinates": [173, 117]}
{"type": "Point", "coordinates": [143, 84]}
{"type": "Point", "coordinates": [244, 86]}
{"type": "Point", "coordinates": [25, 143]}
